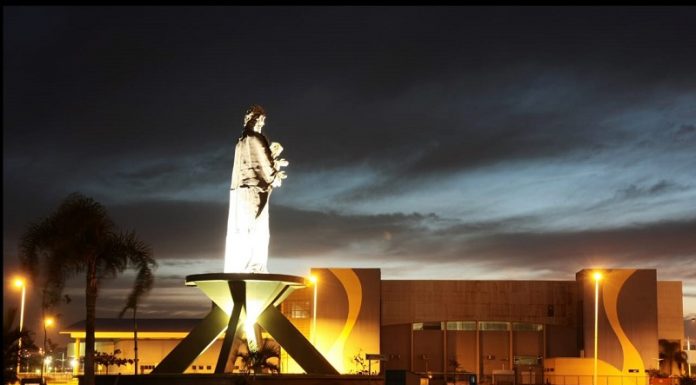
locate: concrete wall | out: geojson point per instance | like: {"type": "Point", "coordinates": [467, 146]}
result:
{"type": "Point", "coordinates": [561, 341]}
{"type": "Point", "coordinates": [545, 302]}
{"type": "Point", "coordinates": [428, 351]}
{"type": "Point", "coordinates": [670, 311]}
{"type": "Point", "coordinates": [541, 302]}
{"type": "Point", "coordinates": [461, 346]}
{"type": "Point", "coordinates": [495, 351]}
{"type": "Point", "coordinates": [396, 345]}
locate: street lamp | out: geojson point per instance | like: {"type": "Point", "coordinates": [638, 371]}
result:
{"type": "Point", "coordinates": [19, 282]}
{"type": "Point", "coordinates": [313, 279]}
{"type": "Point", "coordinates": [597, 277]}
{"type": "Point", "coordinates": [48, 321]}
{"type": "Point", "coordinates": [688, 345]}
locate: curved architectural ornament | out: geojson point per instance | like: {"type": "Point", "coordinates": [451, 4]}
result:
{"type": "Point", "coordinates": [351, 284]}
{"type": "Point", "coordinates": [610, 297]}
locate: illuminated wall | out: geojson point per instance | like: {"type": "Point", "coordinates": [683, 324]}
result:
{"type": "Point", "coordinates": [152, 348]}
{"type": "Point", "coordinates": [627, 318]}
{"type": "Point", "coordinates": [347, 316]}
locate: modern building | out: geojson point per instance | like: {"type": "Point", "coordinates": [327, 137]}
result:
{"type": "Point", "coordinates": [534, 331]}
{"type": "Point", "coordinates": [690, 343]}
{"type": "Point", "coordinates": [156, 338]}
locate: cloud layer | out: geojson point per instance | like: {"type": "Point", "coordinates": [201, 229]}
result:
{"type": "Point", "coordinates": [468, 143]}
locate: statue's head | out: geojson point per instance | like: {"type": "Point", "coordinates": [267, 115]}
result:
{"type": "Point", "coordinates": [255, 118]}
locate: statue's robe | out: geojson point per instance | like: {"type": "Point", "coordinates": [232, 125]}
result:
{"type": "Point", "coordinates": [246, 249]}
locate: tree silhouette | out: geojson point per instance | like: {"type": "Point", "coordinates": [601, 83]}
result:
{"type": "Point", "coordinates": [80, 237]}
{"type": "Point", "coordinates": [256, 359]}
{"type": "Point", "coordinates": [110, 359]}
{"type": "Point", "coordinates": [671, 352]}
{"type": "Point", "coordinates": [10, 339]}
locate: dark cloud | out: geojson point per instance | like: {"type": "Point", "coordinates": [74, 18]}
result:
{"type": "Point", "coordinates": [633, 191]}
{"type": "Point", "coordinates": [686, 132]}
{"type": "Point", "coordinates": [177, 229]}
{"type": "Point", "coordinates": [302, 233]}
{"type": "Point", "coordinates": [417, 237]}
{"type": "Point", "coordinates": [636, 245]}
{"type": "Point", "coordinates": [128, 82]}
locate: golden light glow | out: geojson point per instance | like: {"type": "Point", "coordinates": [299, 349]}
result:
{"type": "Point", "coordinates": [313, 278]}
{"type": "Point", "coordinates": [48, 321]}
{"type": "Point", "coordinates": [351, 284]}
{"type": "Point", "coordinates": [19, 282]}
{"type": "Point", "coordinates": [250, 335]}
{"type": "Point", "coordinates": [125, 335]}
{"type": "Point", "coordinates": [597, 276]}
{"type": "Point", "coordinates": [253, 310]}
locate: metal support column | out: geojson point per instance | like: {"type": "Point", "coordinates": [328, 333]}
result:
{"type": "Point", "coordinates": [238, 290]}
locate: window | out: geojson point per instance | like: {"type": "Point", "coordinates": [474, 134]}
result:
{"type": "Point", "coordinates": [489, 325]}
{"type": "Point", "coordinates": [208, 367]}
{"type": "Point", "coordinates": [526, 360]}
{"type": "Point", "coordinates": [461, 325]}
{"type": "Point", "coordinates": [527, 327]}
{"type": "Point", "coordinates": [298, 309]}
{"type": "Point", "coordinates": [427, 326]}
{"type": "Point", "coordinates": [200, 367]}
{"type": "Point", "coordinates": [193, 367]}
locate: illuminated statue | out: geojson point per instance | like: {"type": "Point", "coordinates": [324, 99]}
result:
{"type": "Point", "coordinates": [256, 171]}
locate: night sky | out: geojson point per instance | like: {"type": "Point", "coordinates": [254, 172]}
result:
{"type": "Point", "coordinates": [434, 143]}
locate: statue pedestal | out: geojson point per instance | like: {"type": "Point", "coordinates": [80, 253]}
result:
{"type": "Point", "coordinates": [242, 301]}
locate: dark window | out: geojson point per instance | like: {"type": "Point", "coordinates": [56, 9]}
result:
{"type": "Point", "coordinates": [427, 326]}
{"type": "Point", "coordinates": [432, 325]}
{"type": "Point", "coordinates": [549, 311]}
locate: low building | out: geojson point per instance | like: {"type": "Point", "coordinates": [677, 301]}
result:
{"type": "Point", "coordinates": [156, 338]}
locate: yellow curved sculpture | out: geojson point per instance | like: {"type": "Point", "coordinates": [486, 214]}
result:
{"type": "Point", "coordinates": [351, 284]}
{"type": "Point", "coordinates": [610, 296]}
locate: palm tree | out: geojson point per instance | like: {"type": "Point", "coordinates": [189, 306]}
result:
{"type": "Point", "coordinates": [79, 237]}
{"type": "Point", "coordinates": [672, 353]}
{"type": "Point", "coordinates": [257, 359]}
{"type": "Point", "coordinates": [682, 359]}
{"type": "Point", "coordinates": [143, 283]}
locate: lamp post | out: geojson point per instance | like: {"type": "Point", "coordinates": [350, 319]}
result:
{"type": "Point", "coordinates": [688, 346]}
{"type": "Point", "coordinates": [313, 279]}
{"type": "Point", "coordinates": [597, 277]}
{"type": "Point", "coordinates": [48, 321]}
{"type": "Point", "coordinates": [19, 282]}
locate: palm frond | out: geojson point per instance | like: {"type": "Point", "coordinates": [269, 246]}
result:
{"type": "Point", "coordinates": [140, 258]}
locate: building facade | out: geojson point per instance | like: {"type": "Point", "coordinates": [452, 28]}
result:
{"type": "Point", "coordinates": [536, 331]}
